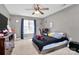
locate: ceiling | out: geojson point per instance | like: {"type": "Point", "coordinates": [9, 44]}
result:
{"type": "Point", "coordinates": [20, 9]}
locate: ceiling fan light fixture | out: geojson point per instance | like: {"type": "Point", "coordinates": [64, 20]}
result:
{"type": "Point", "coordinates": [37, 12]}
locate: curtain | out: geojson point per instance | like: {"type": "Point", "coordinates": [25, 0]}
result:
{"type": "Point", "coordinates": [34, 27]}
{"type": "Point", "coordinates": [22, 22]}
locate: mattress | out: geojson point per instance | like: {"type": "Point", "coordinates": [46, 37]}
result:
{"type": "Point", "coordinates": [53, 45]}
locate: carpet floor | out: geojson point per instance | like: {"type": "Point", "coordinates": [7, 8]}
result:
{"type": "Point", "coordinates": [25, 47]}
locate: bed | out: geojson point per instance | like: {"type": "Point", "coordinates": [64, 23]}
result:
{"type": "Point", "coordinates": [49, 43]}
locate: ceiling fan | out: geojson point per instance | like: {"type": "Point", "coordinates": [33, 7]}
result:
{"type": "Point", "coordinates": [38, 9]}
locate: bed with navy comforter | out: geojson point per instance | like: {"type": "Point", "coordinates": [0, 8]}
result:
{"type": "Point", "coordinates": [46, 40]}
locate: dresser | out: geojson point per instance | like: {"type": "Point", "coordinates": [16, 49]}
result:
{"type": "Point", "coordinates": [6, 44]}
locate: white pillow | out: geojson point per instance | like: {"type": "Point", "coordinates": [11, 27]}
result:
{"type": "Point", "coordinates": [58, 35]}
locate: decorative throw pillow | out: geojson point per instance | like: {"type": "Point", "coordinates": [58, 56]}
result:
{"type": "Point", "coordinates": [39, 37]}
{"type": "Point", "coordinates": [50, 34]}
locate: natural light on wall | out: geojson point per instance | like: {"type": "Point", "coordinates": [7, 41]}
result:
{"type": "Point", "coordinates": [28, 26]}
{"type": "Point", "coordinates": [17, 21]}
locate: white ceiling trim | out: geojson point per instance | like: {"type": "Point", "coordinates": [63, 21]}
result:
{"type": "Point", "coordinates": [59, 10]}
{"type": "Point", "coordinates": [28, 13]}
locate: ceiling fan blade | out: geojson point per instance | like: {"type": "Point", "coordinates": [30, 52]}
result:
{"type": "Point", "coordinates": [36, 8]}
{"type": "Point", "coordinates": [29, 9]}
{"type": "Point", "coordinates": [44, 8]}
{"type": "Point", "coordinates": [41, 12]}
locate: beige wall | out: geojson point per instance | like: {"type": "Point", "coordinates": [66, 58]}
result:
{"type": "Point", "coordinates": [17, 25]}
{"type": "Point", "coordinates": [66, 20]}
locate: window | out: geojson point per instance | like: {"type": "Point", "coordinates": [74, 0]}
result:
{"type": "Point", "coordinates": [28, 26]}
